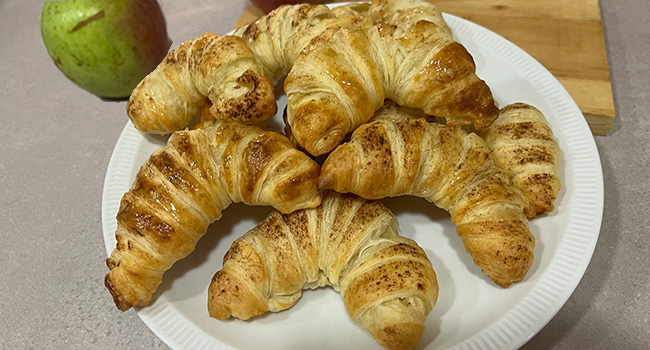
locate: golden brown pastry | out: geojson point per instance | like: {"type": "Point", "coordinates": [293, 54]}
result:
{"type": "Point", "coordinates": [523, 146]}
{"type": "Point", "coordinates": [397, 155]}
{"type": "Point", "coordinates": [278, 37]}
{"type": "Point", "coordinates": [292, 31]}
{"type": "Point", "coordinates": [219, 68]}
{"type": "Point", "coordinates": [335, 85]}
{"type": "Point", "coordinates": [341, 69]}
{"type": "Point", "coordinates": [204, 118]}
{"type": "Point", "coordinates": [184, 186]}
{"type": "Point", "coordinates": [353, 9]}
{"type": "Point", "coordinates": [431, 71]}
{"type": "Point", "coordinates": [343, 77]}
{"type": "Point", "coordinates": [393, 12]}
{"type": "Point", "coordinates": [387, 282]}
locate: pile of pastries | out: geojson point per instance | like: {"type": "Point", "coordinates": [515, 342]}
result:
{"type": "Point", "coordinates": [381, 92]}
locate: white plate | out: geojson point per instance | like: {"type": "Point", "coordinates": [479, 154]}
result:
{"type": "Point", "coordinates": [472, 313]}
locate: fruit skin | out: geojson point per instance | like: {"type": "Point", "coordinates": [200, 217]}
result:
{"type": "Point", "coordinates": [105, 46]}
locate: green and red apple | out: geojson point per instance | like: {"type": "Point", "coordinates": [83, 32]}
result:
{"type": "Point", "coordinates": [105, 46]}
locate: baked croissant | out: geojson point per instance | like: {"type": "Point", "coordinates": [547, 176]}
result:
{"type": "Point", "coordinates": [431, 71]}
{"type": "Point", "coordinates": [220, 68]}
{"type": "Point", "coordinates": [396, 155]}
{"type": "Point", "coordinates": [335, 85]}
{"type": "Point", "coordinates": [357, 12]}
{"type": "Point", "coordinates": [278, 37]}
{"type": "Point", "coordinates": [184, 186]}
{"type": "Point", "coordinates": [342, 78]}
{"type": "Point", "coordinates": [387, 282]}
{"type": "Point", "coordinates": [394, 12]}
{"type": "Point", "coordinates": [523, 146]}
{"type": "Point", "coordinates": [340, 70]}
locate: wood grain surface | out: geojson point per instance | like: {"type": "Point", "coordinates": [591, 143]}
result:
{"type": "Point", "coordinates": [565, 36]}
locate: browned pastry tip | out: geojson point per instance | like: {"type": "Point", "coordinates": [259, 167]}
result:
{"type": "Point", "coordinates": [257, 104]}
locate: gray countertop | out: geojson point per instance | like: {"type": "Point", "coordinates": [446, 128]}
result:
{"type": "Point", "coordinates": [56, 141]}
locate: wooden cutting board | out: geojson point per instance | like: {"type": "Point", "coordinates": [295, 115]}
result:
{"type": "Point", "coordinates": [565, 36]}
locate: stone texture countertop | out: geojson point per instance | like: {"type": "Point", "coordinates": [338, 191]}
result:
{"type": "Point", "coordinates": [56, 141]}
